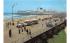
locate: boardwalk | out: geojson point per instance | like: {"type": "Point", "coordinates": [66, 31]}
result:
{"type": "Point", "coordinates": [23, 36]}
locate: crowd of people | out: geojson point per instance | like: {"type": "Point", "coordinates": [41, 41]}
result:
{"type": "Point", "coordinates": [19, 29]}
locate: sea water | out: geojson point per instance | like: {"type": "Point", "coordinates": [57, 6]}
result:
{"type": "Point", "coordinates": [16, 16]}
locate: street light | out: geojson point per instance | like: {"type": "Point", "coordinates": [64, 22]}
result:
{"type": "Point", "coordinates": [10, 32]}
{"type": "Point", "coordinates": [12, 14]}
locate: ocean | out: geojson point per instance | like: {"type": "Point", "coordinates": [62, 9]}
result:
{"type": "Point", "coordinates": [15, 16]}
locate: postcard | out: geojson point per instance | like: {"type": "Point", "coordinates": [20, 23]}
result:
{"type": "Point", "coordinates": [35, 21]}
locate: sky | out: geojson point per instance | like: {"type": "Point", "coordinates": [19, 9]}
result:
{"type": "Point", "coordinates": [23, 5]}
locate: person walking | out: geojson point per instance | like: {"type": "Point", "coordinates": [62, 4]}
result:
{"type": "Point", "coordinates": [8, 24]}
{"type": "Point", "coordinates": [22, 29]}
{"type": "Point", "coordinates": [29, 32]}
{"type": "Point", "coordinates": [10, 33]}
{"type": "Point", "coordinates": [19, 31]}
{"type": "Point", "coordinates": [25, 28]}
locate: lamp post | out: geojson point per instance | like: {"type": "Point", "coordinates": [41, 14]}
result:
{"type": "Point", "coordinates": [12, 14]}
